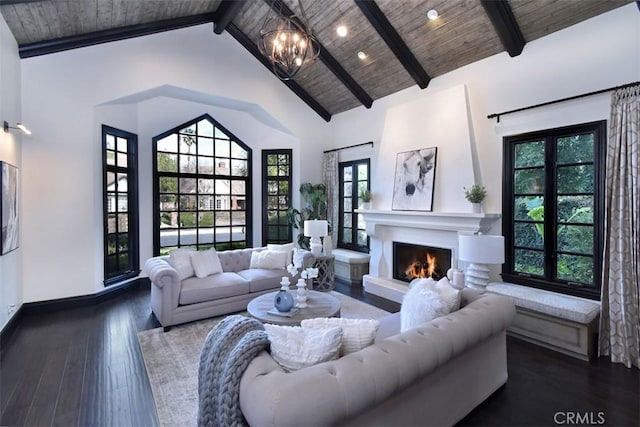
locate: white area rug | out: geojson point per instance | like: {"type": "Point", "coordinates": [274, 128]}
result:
{"type": "Point", "coordinates": [172, 359]}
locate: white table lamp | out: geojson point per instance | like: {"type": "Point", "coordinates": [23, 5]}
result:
{"type": "Point", "coordinates": [480, 250]}
{"type": "Point", "coordinates": [316, 229]}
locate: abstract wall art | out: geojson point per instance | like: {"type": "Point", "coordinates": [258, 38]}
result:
{"type": "Point", "coordinates": [9, 207]}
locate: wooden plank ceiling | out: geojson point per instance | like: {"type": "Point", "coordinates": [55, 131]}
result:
{"type": "Point", "coordinates": [403, 47]}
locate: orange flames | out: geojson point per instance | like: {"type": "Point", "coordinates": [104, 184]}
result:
{"type": "Point", "coordinates": [422, 269]}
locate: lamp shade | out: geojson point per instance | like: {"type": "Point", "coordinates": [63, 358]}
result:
{"type": "Point", "coordinates": [481, 249]}
{"type": "Point", "coordinates": [316, 228]}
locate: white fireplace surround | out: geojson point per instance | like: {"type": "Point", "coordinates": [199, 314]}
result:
{"type": "Point", "coordinates": [439, 229]}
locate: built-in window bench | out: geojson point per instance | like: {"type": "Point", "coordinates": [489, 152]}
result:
{"type": "Point", "coordinates": [561, 322]}
{"type": "Point", "coordinates": [350, 266]}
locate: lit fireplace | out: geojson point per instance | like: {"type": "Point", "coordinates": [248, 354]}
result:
{"type": "Point", "coordinates": [412, 261]}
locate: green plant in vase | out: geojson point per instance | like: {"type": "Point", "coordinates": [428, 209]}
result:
{"type": "Point", "coordinates": [315, 207]}
{"type": "Point", "coordinates": [475, 195]}
{"type": "Point", "coordinates": [365, 198]}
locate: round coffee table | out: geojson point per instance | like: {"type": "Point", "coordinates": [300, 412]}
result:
{"type": "Point", "coordinates": [321, 304]}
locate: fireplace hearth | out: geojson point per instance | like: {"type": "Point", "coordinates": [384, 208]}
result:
{"type": "Point", "coordinates": [411, 261]}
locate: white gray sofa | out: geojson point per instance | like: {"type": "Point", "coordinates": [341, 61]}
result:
{"type": "Point", "coordinates": [434, 374]}
{"type": "Point", "coordinates": [174, 302]}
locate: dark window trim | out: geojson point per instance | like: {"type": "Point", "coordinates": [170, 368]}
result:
{"type": "Point", "coordinates": [354, 194]}
{"type": "Point", "coordinates": [598, 128]}
{"type": "Point", "coordinates": [265, 178]}
{"type": "Point", "coordinates": [156, 189]}
{"type": "Point", "coordinates": [132, 204]}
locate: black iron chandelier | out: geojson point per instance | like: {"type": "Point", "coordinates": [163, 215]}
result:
{"type": "Point", "coordinates": [287, 41]}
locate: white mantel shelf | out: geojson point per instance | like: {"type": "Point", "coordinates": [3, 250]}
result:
{"type": "Point", "coordinates": [440, 229]}
{"type": "Point", "coordinates": [463, 222]}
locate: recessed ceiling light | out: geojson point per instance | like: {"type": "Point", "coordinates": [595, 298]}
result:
{"type": "Point", "coordinates": [432, 14]}
{"type": "Point", "coordinates": [342, 30]}
{"type": "Point", "coordinates": [362, 55]}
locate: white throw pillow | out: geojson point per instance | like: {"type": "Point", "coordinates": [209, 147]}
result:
{"type": "Point", "coordinates": [426, 300]}
{"type": "Point", "coordinates": [356, 333]}
{"type": "Point", "coordinates": [206, 263]}
{"type": "Point", "coordinates": [287, 248]}
{"type": "Point", "coordinates": [298, 257]}
{"type": "Point", "coordinates": [268, 259]}
{"type": "Point", "coordinates": [180, 259]}
{"type": "Point", "coordinates": [295, 348]}
{"type": "Point", "coordinates": [449, 294]}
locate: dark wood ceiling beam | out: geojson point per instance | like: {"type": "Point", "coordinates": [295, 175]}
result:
{"type": "Point", "coordinates": [328, 60]}
{"type": "Point", "coordinates": [227, 10]}
{"type": "Point", "coordinates": [114, 34]}
{"type": "Point", "coordinates": [505, 24]}
{"type": "Point", "coordinates": [8, 2]}
{"type": "Point", "coordinates": [251, 46]}
{"type": "Point", "coordinates": [389, 34]}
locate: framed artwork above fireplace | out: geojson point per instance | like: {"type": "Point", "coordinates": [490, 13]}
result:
{"type": "Point", "coordinates": [414, 180]}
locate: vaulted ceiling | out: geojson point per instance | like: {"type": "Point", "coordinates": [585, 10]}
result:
{"type": "Point", "coordinates": [403, 47]}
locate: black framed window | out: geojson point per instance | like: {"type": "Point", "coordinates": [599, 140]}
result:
{"type": "Point", "coordinates": [553, 208]}
{"type": "Point", "coordinates": [120, 204]}
{"type": "Point", "coordinates": [202, 188]}
{"type": "Point", "coordinates": [354, 178]}
{"type": "Point", "coordinates": [276, 196]}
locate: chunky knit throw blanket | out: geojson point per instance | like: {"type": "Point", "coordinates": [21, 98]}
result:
{"type": "Point", "coordinates": [226, 353]}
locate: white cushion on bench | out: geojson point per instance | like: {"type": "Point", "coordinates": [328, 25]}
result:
{"type": "Point", "coordinates": [350, 257]}
{"type": "Point", "coordinates": [580, 310]}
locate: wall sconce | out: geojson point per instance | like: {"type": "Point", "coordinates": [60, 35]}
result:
{"type": "Point", "coordinates": [20, 126]}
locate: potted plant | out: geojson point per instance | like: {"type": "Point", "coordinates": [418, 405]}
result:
{"type": "Point", "coordinates": [315, 207]}
{"type": "Point", "coordinates": [476, 194]}
{"type": "Point", "coordinates": [365, 199]}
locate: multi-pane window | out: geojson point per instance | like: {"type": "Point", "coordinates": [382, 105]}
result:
{"type": "Point", "coordinates": [276, 196]}
{"type": "Point", "coordinates": [121, 254]}
{"type": "Point", "coordinates": [553, 208]}
{"type": "Point", "coordinates": [202, 188]}
{"type": "Point", "coordinates": [354, 179]}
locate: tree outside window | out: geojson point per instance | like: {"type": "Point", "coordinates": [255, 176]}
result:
{"type": "Point", "coordinates": [553, 208]}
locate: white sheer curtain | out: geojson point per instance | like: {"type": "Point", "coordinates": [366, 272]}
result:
{"type": "Point", "coordinates": [620, 317]}
{"type": "Point", "coordinates": [330, 179]}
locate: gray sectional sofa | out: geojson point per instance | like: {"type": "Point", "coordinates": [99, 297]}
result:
{"type": "Point", "coordinates": [434, 374]}
{"type": "Point", "coordinates": [174, 302]}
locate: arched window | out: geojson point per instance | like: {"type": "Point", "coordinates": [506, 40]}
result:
{"type": "Point", "coordinates": [202, 188]}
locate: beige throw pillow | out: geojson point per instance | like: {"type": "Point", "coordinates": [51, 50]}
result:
{"type": "Point", "coordinates": [356, 333]}
{"type": "Point", "coordinates": [295, 348]}
{"type": "Point", "coordinates": [206, 263]}
{"type": "Point", "coordinates": [180, 259]}
{"type": "Point", "coordinates": [268, 259]}
{"type": "Point", "coordinates": [287, 248]}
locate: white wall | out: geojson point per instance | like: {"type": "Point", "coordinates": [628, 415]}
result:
{"type": "Point", "coordinates": [10, 152]}
{"type": "Point", "coordinates": [68, 95]}
{"type": "Point", "coordinates": [599, 53]}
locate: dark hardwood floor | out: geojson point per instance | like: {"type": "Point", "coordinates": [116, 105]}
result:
{"type": "Point", "coordinates": [83, 366]}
